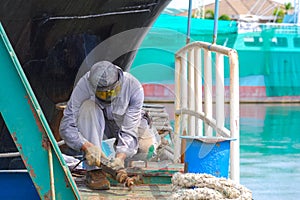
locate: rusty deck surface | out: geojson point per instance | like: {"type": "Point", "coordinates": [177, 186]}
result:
{"type": "Point", "coordinates": [156, 184]}
{"type": "Point", "coordinates": [156, 191]}
{"type": "Point", "coordinates": [119, 191]}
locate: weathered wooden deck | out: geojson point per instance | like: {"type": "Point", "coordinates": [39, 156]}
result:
{"type": "Point", "coordinates": [156, 191]}
{"type": "Point", "coordinates": [156, 184]}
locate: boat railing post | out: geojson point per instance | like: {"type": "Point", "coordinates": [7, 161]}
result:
{"type": "Point", "coordinates": [177, 141]}
{"type": "Point", "coordinates": [183, 94]}
{"type": "Point", "coordinates": [220, 91]}
{"type": "Point", "coordinates": [189, 65]}
{"type": "Point", "coordinates": [198, 89]}
{"type": "Point", "coordinates": [207, 90]}
{"type": "Point", "coordinates": [234, 117]}
{"type": "Point", "coordinates": [191, 92]}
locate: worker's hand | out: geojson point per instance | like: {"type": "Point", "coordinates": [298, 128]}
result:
{"type": "Point", "coordinates": [93, 155]}
{"type": "Point", "coordinates": [118, 162]}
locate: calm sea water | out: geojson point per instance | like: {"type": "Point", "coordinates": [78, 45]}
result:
{"type": "Point", "coordinates": [270, 150]}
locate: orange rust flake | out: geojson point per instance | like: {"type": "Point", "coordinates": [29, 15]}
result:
{"type": "Point", "coordinates": [15, 139]}
{"type": "Point", "coordinates": [30, 171]}
{"type": "Point", "coordinates": [67, 182]}
{"type": "Point", "coordinates": [37, 119]}
{"type": "Point", "coordinates": [48, 195]}
{"type": "Point", "coordinates": [45, 143]}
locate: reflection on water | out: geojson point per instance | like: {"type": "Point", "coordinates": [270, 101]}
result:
{"type": "Point", "coordinates": [270, 150]}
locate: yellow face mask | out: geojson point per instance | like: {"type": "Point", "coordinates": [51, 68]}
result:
{"type": "Point", "coordinates": [109, 95]}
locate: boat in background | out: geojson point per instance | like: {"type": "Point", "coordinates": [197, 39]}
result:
{"type": "Point", "coordinates": [269, 67]}
{"type": "Point", "coordinates": [268, 56]}
{"type": "Point", "coordinates": [58, 41]}
{"type": "Point", "coordinates": [248, 23]}
{"type": "Point", "coordinates": [268, 53]}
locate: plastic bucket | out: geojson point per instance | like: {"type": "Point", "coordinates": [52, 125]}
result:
{"type": "Point", "coordinates": [207, 155]}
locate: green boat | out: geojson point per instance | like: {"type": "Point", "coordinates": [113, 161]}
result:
{"type": "Point", "coordinates": [268, 54]}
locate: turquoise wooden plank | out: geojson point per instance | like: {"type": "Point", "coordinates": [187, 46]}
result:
{"type": "Point", "coordinates": [30, 130]}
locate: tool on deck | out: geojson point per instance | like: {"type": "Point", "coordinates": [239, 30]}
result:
{"type": "Point", "coordinates": [120, 174]}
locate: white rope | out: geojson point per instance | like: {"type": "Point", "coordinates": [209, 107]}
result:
{"type": "Point", "coordinates": [205, 186]}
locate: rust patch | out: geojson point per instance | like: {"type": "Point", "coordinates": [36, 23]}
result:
{"type": "Point", "coordinates": [37, 119]}
{"type": "Point", "coordinates": [38, 123]}
{"type": "Point", "coordinates": [46, 143]}
{"type": "Point", "coordinates": [67, 182]}
{"type": "Point", "coordinates": [31, 171]}
{"type": "Point", "coordinates": [47, 196]}
{"type": "Point", "coordinates": [38, 189]}
{"type": "Point", "coordinates": [29, 167]}
{"type": "Point", "coordinates": [25, 159]}
{"type": "Point", "coordinates": [15, 139]}
{"type": "Point", "coordinates": [32, 175]}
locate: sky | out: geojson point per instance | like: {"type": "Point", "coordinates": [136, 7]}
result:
{"type": "Point", "coordinates": [185, 3]}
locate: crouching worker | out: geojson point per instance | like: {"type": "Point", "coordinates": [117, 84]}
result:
{"type": "Point", "coordinates": [105, 103]}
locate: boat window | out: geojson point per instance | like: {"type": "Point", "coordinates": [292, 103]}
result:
{"type": "Point", "coordinates": [296, 42]}
{"type": "Point", "coordinates": [253, 41]}
{"type": "Point", "coordinates": [279, 42]}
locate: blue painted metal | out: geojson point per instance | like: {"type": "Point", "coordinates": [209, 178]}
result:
{"type": "Point", "coordinates": [20, 181]}
{"type": "Point", "coordinates": [207, 155]}
{"type": "Point", "coordinates": [29, 128]}
{"type": "Point", "coordinates": [189, 22]}
{"type": "Point", "coordinates": [216, 16]}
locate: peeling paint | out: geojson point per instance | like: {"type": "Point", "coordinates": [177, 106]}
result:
{"type": "Point", "coordinates": [46, 143]}
{"type": "Point", "coordinates": [47, 196]}
{"type": "Point", "coordinates": [15, 139]}
{"type": "Point", "coordinates": [37, 119]}
{"type": "Point", "coordinates": [45, 140]}
{"type": "Point", "coordinates": [67, 182]}
{"type": "Point", "coordinates": [31, 171]}
{"type": "Point", "coordinates": [25, 159]}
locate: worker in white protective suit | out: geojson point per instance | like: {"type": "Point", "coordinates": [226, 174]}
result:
{"type": "Point", "coordinates": [106, 103]}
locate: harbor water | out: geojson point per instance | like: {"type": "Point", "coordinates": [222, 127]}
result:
{"type": "Point", "coordinates": [270, 150]}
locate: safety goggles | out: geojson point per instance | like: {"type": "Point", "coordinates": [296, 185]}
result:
{"type": "Point", "coordinates": [110, 94]}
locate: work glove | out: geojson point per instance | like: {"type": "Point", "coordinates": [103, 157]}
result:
{"type": "Point", "coordinates": [116, 164]}
{"type": "Point", "coordinates": [93, 156]}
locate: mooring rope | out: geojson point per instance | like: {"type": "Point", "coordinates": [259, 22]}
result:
{"type": "Point", "coordinates": [205, 186]}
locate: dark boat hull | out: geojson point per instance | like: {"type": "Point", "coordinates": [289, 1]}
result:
{"type": "Point", "coordinates": [57, 41]}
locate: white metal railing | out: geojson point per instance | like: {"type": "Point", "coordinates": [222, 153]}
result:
{"type": "Point", "coordinates": [192, 112]}
{"type": "Point", "coordinates": [245, 27]}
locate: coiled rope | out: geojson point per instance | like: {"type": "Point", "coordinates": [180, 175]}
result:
{"type": "Point", "coordinates": [205, 186]}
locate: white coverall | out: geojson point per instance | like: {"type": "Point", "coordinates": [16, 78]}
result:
{"type": "Point", "coordinates": [86, 118]}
